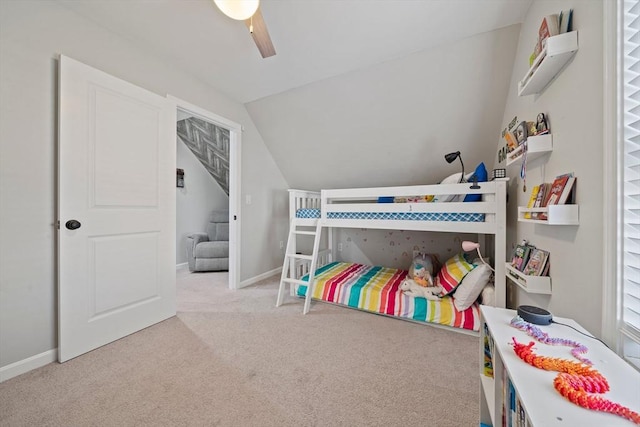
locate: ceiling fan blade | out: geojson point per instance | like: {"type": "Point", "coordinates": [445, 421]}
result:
{"type": "Point", "coordinates": [260, 34]}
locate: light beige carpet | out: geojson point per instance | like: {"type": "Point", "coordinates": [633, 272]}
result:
{"type": "Point", "coordinates": [231, 358]}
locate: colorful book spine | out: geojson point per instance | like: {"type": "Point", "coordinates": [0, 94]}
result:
{"type": "Point", "coordinates": [532, 200]}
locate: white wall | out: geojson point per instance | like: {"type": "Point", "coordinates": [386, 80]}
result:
{"type": "Point", "coordinates": [392, 124]}
{"type": "Point", "coordinates": [32, 35]}
{"type": "Point", "coordinates": [200, 196]}
{"type": "Point", "coordinates": [574, 105]}
{"type": "Point", "coordinates": [394, 248]}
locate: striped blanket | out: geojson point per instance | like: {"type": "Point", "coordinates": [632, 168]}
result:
{"type": "Point", "coordinates": [377, 289]}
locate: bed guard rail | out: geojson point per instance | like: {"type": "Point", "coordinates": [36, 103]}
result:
{"type": "Point", "coordinates": [302, 199]}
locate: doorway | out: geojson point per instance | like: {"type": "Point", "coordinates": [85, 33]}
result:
{"type": "Point", "coordinates": [208, 156]}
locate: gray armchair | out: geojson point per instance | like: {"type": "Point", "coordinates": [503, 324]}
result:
{"type": "Point", "coordinates": [210, 251]}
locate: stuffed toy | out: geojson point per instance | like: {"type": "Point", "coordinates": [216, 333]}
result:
{"type": "Point", "coordinates": [411, 288]}
{"type": "Point", "coordinates": [422, 276]}
{"type": "Point", "coordinates": [422, 269]}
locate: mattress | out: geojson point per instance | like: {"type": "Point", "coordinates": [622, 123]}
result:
{"type": "Point", "coordinates": [377, 290]}
{"type": "Point", "coordinates": [411, 216]}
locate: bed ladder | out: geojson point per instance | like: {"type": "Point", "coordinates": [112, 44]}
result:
{"type": "Point", "coordinates": [289, 267]}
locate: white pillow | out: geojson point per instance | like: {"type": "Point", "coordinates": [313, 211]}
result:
{"type": "Point", "coordinates": [451, 179]}
{"type": "Point", "coordinates": [471, 286]}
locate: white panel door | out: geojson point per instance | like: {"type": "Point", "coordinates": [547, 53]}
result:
{"type": "Point", "coordinates": [116, 178]}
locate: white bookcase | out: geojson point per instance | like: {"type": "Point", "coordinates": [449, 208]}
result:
{"type": "Point", "coordinates": [542, 405]}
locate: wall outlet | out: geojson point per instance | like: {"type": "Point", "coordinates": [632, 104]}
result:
{"type": "Point", "coordinates": [247, 199]}
{"type": "Point", "coordinates": [281, 244]}
{"type": "Point", "coordinates": [339, 247]}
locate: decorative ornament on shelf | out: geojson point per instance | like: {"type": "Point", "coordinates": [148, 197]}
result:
{"type": "Point", "coordinates": [542, 127]}
{"type": "Point", "coordinates": [499, 173]}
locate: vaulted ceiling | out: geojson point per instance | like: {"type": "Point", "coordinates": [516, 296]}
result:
{"type": "Point", "coordinates": [370, 79]}
{"type": "Point", "coordinates": [314, 39]}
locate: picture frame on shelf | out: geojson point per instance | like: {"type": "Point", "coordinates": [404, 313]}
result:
{"type": "Point", "coordinates": [521, 133]}
{"type": "Point", "coordinates": [542, 126]}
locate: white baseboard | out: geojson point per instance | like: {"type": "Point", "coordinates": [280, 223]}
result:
{"type": "Point", "coordinates": [182, 266]}
{"type": "Point", "coordinates": [22, 366]}
{"type": "Point", "coordinates": [260, 277]}
{"type": "Point", "coordinates": [28, 364]}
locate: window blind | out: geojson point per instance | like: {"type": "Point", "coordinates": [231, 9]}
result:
{"type": "Point", "coordinates": [629, 326]}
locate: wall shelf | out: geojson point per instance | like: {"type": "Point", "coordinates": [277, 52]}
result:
{"type": "Point", "coordinates": [531, 284]}
{"type": "Point", "coordinates": [536, 146]}
{"type": "Point", "coordinates": [556, 215]}
{"type": "Point", "coordinates": [556, 54]}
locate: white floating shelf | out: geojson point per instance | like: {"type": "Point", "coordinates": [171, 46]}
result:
{"type": "Point", "coordinates": [556, 215]}
{"type": "Point", "coordinates": [558, 51]}
{"type": "Point", "coordinates": [531, 284]}
{"type": "Point", "coordinates": [536, 146]}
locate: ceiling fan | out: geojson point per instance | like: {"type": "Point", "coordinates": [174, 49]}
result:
{"type": "Point", "coordinates": [249, 12]}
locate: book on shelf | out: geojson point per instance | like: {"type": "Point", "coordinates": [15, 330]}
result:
{"type": "Point", "coordinates": [540, 199]}
{"type": "Point", "coordinates": [521, 256]}
{"type": "Point", "coordinates": [511, 142]}
{"type": "Point", "coordinates": [567, 194]}
{"type": "Point", "coordinates": [537, 262]}
{"type": "Point", "coordinates": [565, 21]}
{"type": "Point", "coordinates": [522, 417]}
{"type": "Point", "coordinates": [556, 193]}
{"type": "Point", "coordinates": [489, 349]}
{"type": "Point", "coordinates": [532, 200]}
{"type": "Point", "coordinates": [548, 28]}
{"type": "Point", "coordinates": [505, 401]}
{"type": "Point", "coordinates": [545, 271]}
{"type": "Point", "coordinates": [557, 187]}
{"type": "Point", "coordinates": [512, 404]}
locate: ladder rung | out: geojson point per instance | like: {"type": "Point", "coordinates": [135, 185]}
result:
{"type": "Point", "coordinates": [309, 233]}
{"type": "Point", "coordinates": [298, 256]}
{"type": "Point", "coordinates": [297, 281]}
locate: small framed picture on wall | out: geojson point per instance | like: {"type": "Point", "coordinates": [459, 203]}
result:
{"type": "Point", "coordinates": [180, 178]}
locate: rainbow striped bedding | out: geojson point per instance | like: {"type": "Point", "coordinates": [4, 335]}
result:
{"type": "Point", "coordinates": [377, 290]}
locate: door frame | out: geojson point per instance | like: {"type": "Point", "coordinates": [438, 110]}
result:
{"type": "Point", "coordinates": [235, 139]}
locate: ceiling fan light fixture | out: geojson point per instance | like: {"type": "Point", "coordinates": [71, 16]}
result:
{"type": "Point", "coordinates": [238, 9]}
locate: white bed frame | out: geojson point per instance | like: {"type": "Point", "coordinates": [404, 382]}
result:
{"type": "Point", "coordinates": [493, 206]}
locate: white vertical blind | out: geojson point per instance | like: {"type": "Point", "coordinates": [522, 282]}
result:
{"type": "Point", "coordinates": [630, 185]}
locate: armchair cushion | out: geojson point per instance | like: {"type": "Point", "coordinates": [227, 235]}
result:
{"type": "Point", "coordinates": [218, 227]}
{"type": "Point", "coordinates": [217, 249]}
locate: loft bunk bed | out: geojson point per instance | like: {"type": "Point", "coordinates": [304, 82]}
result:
{"type": "Point", "coordinates": [438, 208]}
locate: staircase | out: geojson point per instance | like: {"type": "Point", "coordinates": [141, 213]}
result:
{"type": "Point", "coordinates": [210, 144]}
